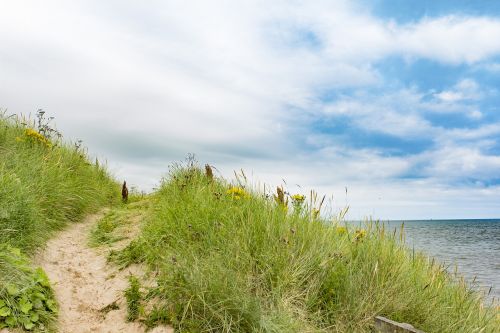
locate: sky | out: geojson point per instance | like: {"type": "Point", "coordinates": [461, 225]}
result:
{"type": "Point", "coordinates": [389, 107]}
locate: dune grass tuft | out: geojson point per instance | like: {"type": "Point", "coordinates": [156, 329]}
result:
{"type": "Point", "coordinates": [42, 187]}
{"type": "Point", "coordinates": [230, 259]}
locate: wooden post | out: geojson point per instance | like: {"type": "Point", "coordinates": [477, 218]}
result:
{"type": "Point", "coordinates": [384, 325]}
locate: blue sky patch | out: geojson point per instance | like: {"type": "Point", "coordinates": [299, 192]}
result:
{"type": "Point", "coordinates": [341, 131]}
{"type": "Point", "coordinates": [422, 73]}
{"type": "Point", "coordinates": [404, 11]}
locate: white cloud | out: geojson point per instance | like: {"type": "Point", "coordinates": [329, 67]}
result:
{"type": "Point", "coordinates": [492, 67]}
{"type": "Point", "coordinates": [466, 89]}
{"type": "Point", "coordinates": [350, 34]}
{"type": "Point", "coordinates": [460, 98]}
{"type": "Point", "coordinates": [372, 189]}
{"type": "Point", "coordinates": [451, 39]}
{"type": "Point", "coordinates": [490, 130]}
{"type": "Point", "coordinates": [146, 84]}
{"type": "Point", "coordinates": [396, 113]}
{"type": "Point", "coordinates": [402, 113]}
{"type": "Point", "coordinates": [457, 163]}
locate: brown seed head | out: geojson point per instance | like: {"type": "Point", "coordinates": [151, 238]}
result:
{"type": "Point", "coordinates": [280, 197]}
{"type": "Point", "coordinates": [124, 192]}
{"type": "Point", "coordinates": [209, 173]}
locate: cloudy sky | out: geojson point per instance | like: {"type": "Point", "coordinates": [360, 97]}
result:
{"type": "Point", "coordinates": [398, 101]}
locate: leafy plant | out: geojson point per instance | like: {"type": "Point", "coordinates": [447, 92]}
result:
{"type": "Point", "coordinates": [27, 300]}
{"type": "Point", "coordinates": [44, 126]}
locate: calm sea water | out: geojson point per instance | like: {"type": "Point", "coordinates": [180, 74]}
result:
{"type": "Point", "coordinates": [472, 245]}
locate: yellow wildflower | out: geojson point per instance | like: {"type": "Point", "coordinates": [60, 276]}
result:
{"type": "Point", "coordinates": [237, 193]}
{"type": "Point", "coordinates": [298, 198]}
{"type": "Point", "coordinates": [341, 230]}
{"type": "Point", "coordinates": [36, 137]}
{"type": "Point", "coordinates": [360, 233]}
{"type": "Point", "coordinates": [297, 201]}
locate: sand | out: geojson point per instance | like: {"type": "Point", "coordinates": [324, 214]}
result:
{"type": "Point", "coordinates": [85, 284]}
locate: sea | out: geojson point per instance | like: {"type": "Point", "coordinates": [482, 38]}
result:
{"type": "Point", "coordinates": [472, 247]}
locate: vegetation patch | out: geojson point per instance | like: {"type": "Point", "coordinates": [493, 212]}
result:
{"type": "Point", "coordinates": [102, 233]}
{"type": "Point", "coordinates": [133, 296]}
{"type": "Point", "coordinates": [231, 259]}
{"type": "Point", "coordinates": [44, 186]}
{"type": "Point", "coordinates": [109, 229]}
{"type": "Point", "coordinates": [45, 183]}
{"type": "Point", "coordinates": [26, 299]}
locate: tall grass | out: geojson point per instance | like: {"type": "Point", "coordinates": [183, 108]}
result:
{"type": "Point", "coordinates": [228, 259]}
{"type": "Point", "coordinates": [44, 184]}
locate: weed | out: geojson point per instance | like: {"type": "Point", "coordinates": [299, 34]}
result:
{"type": "Point", "coordinates": [157, 316]}
{"type": "Point", "coordinates": [26, 298]}
{"type": "Point", "coordinates": [209, 173]}
{"type": "Point", "coordinates": [110, 307]}
{"type": "Point", "coordinates": [102, 233]}
{"type": "Point", "coordinates": [44, 127]}
{"type": "Point", "coordinates": [133, 296]}
{"type": "Point", "coordinates": [133, 253]}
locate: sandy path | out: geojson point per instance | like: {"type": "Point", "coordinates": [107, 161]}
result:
{"type": "Point", "coordinates": [84, 284]}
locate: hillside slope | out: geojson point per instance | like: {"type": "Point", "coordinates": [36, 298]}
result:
{"type": "Point", "coordinates": [44, 184]}
{"type": "Point", "coordinates": [229, 259]}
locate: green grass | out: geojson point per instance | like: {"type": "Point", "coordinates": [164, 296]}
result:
{"type": "Point", "coordinates": [242, 262]}
{"type": "Point", "coordinates": [43, 188]}
{"type": "Point", "coordinates": [133, 297]}
{"type": "Point", "coordinates": [225, 258]}
{"type": "Point", "coordinates": [108, 229]}
{"type": "Point", "coordinates": [103, 232]}
{"type": "Point", "coordinates": [44, 185]}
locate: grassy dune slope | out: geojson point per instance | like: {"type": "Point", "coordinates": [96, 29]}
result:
{"type": "Point", "coordinates": [44, 184]}
{"type": "Point", "coordinates": [227, 259]}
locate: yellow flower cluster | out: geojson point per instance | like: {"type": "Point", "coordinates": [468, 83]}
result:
{"type": "Point", "coordinates": [237, 193]}
{"type": "Point", "coordinates": [341, 230]}
{"type": "Point", "coordinates": [298, 198]}
{"type": "Point", "coordinates": [360, 233]}
{"type": "Point", "coordinates": [35, 137]}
